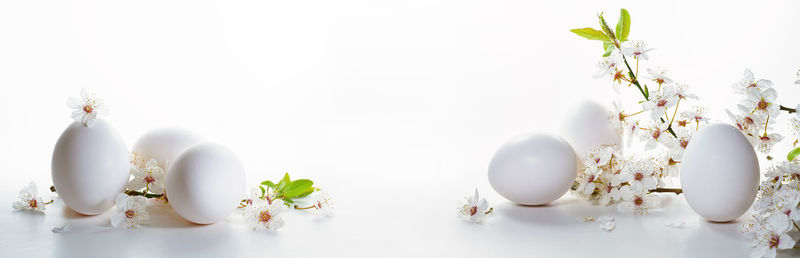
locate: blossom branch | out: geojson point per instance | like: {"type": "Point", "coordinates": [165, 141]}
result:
{"type": "Point", "coordinates": [788, 109]}
{"type": "Point", "coordinates": [635, 81]}
{"type": "Point", "coordinates": [143, 193]}
{"type": "Point", "coordinates": [667, 190]}
{"type": "Point", "coordinates": [128, 192]}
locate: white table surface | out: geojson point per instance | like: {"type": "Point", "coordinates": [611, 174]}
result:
{"type": "Point", "coordinates": [398, 227]}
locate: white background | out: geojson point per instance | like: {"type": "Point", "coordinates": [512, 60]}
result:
{"type": "Point", "coordinates": [394, 107]}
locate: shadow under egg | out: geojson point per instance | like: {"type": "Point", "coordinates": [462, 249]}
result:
{"type": "Point", "coordinates": [547, 214]}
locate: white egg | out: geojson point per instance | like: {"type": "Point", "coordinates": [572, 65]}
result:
{"type": "Point", "coordinates": [586, 127]}
{"type": "Point", "coordinates": [90, 167]}
{"type": "Point", "coordinates": [533, 169]}
{"type": "Point", "coordinates": [719, 173]}
{"type": "Point", "coordinates": [205, 183]}
{"type": "Point", "coordinates": [164, 145]}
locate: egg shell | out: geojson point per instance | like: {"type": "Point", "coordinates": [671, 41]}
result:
{"type": "Point", "coordinates": [719, 173]}
{"type": "Point", "coordinates": [586, 126]}
{"type": "Point", "coordinates": [90, 166]}
{"type": "Point", "coordinates": [164, 145]}
{"type": "Point", "coordinates": [205, 183]}
{"type": "Point", "coordinates": [533, 169]}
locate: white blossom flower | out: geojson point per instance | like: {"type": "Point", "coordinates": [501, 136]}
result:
{"type": "Point", "coordinates": [786, 200]}
{"type": "Point", "coordinates": [778, 226]}
{"type": "Point", "coordinates": [254, 195]}
{"type": "Point", "coordinates": [474, 208]}
{"type": "Point", "coordinates": [794, 126]}
{"type": "Point", "coordinates": [748, 81]}
{"type": "Point", "coordinates": [319, 201]}
{"type": "Point", "coordinates": [324, 202]}
{"type": "Point", "coordinates": [776, 210]}
{"type": "Point", "coordinates": [773, 243]}
{"type": "Point", "coordinates": [742, 122]}
{"type": "Point", "coordinates": [684, 136]}
{"type": "Point", "coordinates": [599, 156]}
{"type": "Point", "coordinates": [749, 125]}
{"type": "Point", "coordinates": [640, 175]}
{"type": "Point", "coordinates": [29, 199]}
{"type": "Point", "coordinates": [790, 168]}
{"type": "Point", "coordinates": [137, 160]}
{"type": "Point", "coordinates": [681, 91]}
{"type": "Point", "coordinates": [617, 117]}
{"type": "Point", "coordinates": [765, 142]}
{"type": "Point", "coordinates": [87, 108]}
{"type": "Point", "coordinates": [636, 202]}
{"type": "Point", "coordinates": [697, 114]}
{"type": "Point", "coordinates": [150, 178]}
{"type": "Point", "coordinates": [586, 185]}
{"type": "Point", "coordinates": [608, 65]}
{"type": "Point", "coordinates": [131, 211]}
{"type": "Point", "coordinates": [659, 75]}
{"type": "Point", "coordinates": [633, 129]}
{"type": "Point", "coordinates": [760, 103]}
{"type": "Point", "coordinates": [595, 180]}
{"type": "Point", "coordinates": [667, 163]}
{"type": "Point", "coordinates": [768, 234]}
{"type": "Point", "coordinates": [608, 193]}
{"type": "Point", "coordinates": [657, 133]}
{"type": "Point", "coordinates": [637, 49]}
{"type": "Point", "coordinates": [264, 215]}
{"type": "Point", "coordinates": [660, 101]}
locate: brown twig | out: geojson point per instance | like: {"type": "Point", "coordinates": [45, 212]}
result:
{"type": "Point", "coordinates": [667, 190]}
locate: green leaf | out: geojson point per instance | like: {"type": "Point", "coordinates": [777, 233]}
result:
{"type": "Point", "coordinates": [287, 201]}
{"type": "Point", "coordinates": [306, 193]}
{"type": "Point", "coordinates": [793, 154]}
{"type": "Point", "coordinates": [268, 183]}
{"type": "Point", "coordinates": [283, 183]}
{"type": "Point", "coordinates": [297, 187]}
{"type": "Point", "coordinates": [646, 91]}
{"type": "Point", "coordinates": [591, 34]}
{"type": "Point", "coordinates": [263, 191]}
{"type": "Point", "coordinates": [623, 25]}
{"type": "Point", "coordinates": [609, 47]}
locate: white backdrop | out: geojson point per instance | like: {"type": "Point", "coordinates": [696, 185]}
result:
{"type": "Point", "coordinates": [394, 107]}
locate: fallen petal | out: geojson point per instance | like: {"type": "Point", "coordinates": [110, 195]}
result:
{"type": "Point", "coordinates": [677, 224]}
{"type": "Point", "coordinates": [60, 229]}
{"type": "Point", "coordinates": [608, 226]}
{"type": "Point", "coordinates": [604, 219]}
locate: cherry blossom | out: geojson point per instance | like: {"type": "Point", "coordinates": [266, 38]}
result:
{"type": "Point", "coordinates": [474, 208]}
{"type": "Point", "coordinates": [29, 199]}
{"type": "Point", "coordinates": [660, 101]}
{"type": "Point", "coordinates": [659, 76]}
{"type": "Point", "coordinates": [151, 178]}
{"type": "Point", "coordinates": [748, 81]}
{"type": "Point", "coordinates": [636, 49]}
{"type": "Point", "coordinates": [131, 211]}
{"type": "Point", "coordinates": [265, 215]}
{"type": "Point", "coordinates": [86, 108]}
